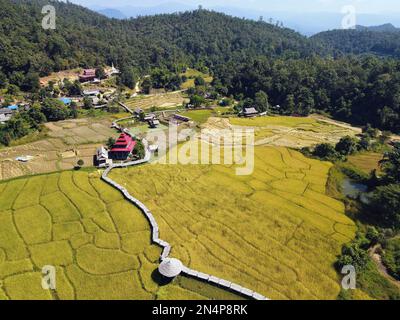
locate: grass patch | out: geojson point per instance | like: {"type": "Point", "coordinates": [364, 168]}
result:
{"type": "Point", "coordinates": [366, 161]}
{"type": "Point", "coordinates": [199, 116]}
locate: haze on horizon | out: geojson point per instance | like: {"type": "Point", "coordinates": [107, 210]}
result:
{"type": "Point", "coordinates": [333, 6]}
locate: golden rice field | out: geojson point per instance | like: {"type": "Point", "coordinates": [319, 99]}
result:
{"type": "Point", "coordinates": [162, 101]}
{"type": "Point", "coordinates": [98, 242]}
{"type": "Point", "coordinates": [293, 132]}
{"type": "Point", "coordinates": [275, 231]}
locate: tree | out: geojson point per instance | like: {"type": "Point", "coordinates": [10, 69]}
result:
{"type": "Point", "coordinates": [325, 151]}
{"type": "Point", "coordinates": [55, 110]}
{"type": "Point", "coordinates": [73, 89]}
{"type": "Point", "coordinates": [365, 143]}
{"type": "Point", "coordinates": [100, 73]}
{"type": "Point", "coordinates": [79, 164]}
{"type": "Point", "coordinates": [31, 82]}
{"type": "Point", "coordinates": [36, 115]}
{"type": "Point", "coordinates": [139, 150]}
{"type": "Point", "coordinates": [110, 142]}
{"type": "Point", "coordinates": [261, 101]}
{"type": "Point", "coordinates": [87, 103]}
{"type": "Point", "coordinates": [391, 164]}
{"type": "Point", "coordinates": [346, 146]}
{"type": "Point", "coordinates": [199, 81]}
{"type": "Point", "coordinates": [290, 104]}
{"type": "Point", "coordinates": [370, 131]}
{"type": "Point", "coordinates": [127, 78]}
{"type": "Point", "coordinates": [3, 80]}
{"type": "Point", "coordinates": [197, 101]}
{"type": "Point", "coordinates": [12, 89]}
{"type": "Point", "coordinates": [147, 85]}
{"type": "Point", "coordinates": [385, 205]}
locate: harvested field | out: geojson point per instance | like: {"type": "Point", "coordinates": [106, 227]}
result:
{"type": "Point", "coordinates": [66, 143]}
{"type": "Point", "coordinates": [165, 100]}
{"type": "Point", "coordinates": [56, 77]}
{"type": "Point", "coordinates": [98, 242]}
{"type": "Point", "coordinates": [275, 231]}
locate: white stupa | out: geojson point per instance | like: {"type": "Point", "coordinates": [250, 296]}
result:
{"type": "Point", "coordinates": [170, 267]}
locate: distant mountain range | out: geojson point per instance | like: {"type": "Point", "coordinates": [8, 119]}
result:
{"type": "Point", "coordinates": [388, 27]}
{"type": "Point", "coordinates": [112, 13]}
{"type": "Point", "coordinates": [308, 23]}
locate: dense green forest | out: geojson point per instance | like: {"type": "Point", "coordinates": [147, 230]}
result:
{"type": "Point", "coordinates": [361, 42]}
{"type": "Point", "coordinates": [84, 38]}
{"type": "Point", "coordinates": [245, 57]}
{"type": "Point", "coordinates": [356, 89]}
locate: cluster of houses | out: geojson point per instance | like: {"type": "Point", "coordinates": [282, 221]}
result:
{"type": "Point", "coordinates": [6, 113]}
{"type": "Point", "coordinates": [150, 118]}
{"type": "Point", "coordinates": [153, 120]}
{"type": "Point", "coordinates": [99, 98]}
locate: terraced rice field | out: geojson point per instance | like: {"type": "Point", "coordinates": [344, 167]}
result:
{"type": "Point", "coordinates": [275, 231]}
{"type": "Point", "coordinates": [99, 243]}
{"type": "Point", "coordinates": [166, 101]}
{"type": "Point", "coordinates": [66, 143]}
{"type": "Point", "coordinates": [292, 132]}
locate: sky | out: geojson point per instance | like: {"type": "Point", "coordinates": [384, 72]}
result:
{"type": "Point", "coordinates": [334, 6]}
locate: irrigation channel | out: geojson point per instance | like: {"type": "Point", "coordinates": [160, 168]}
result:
{"type": "Point", "coordinates": [155, 229]}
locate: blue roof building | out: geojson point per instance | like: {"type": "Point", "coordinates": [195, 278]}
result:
{"type": "Point", "coordinates": [13, 107]}
{"type": "Point", "coordinates": [66, 101]}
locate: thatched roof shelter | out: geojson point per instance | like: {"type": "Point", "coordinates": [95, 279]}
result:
{"type": "Point", "coordinates": [170, 267]}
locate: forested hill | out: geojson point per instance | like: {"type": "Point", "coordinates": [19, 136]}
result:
{"type": "Point", "coordinates": [250, 60]}
{"type": "Point", "coordinates": [84, 38]}
{"type": "Point", "coordinates": [361, 41]}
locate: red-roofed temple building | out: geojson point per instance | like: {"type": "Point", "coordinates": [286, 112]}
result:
{"type": "Point", "coordinates": [122, 148]}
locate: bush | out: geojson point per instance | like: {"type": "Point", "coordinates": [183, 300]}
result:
{"type": "Point", "coordinates": [385, 205]}
{"type": "Point", "coordinates": [325, 151]}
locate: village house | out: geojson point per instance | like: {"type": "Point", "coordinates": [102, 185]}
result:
{"type": "Point", "coordinates": [181, 118]}
{"type": "Point", "coordinates": [66, 101]}
{"type": "Point", "coordinates": [122, 148]}
{"type": "Point", "coordinates": [91, 93]}
{"type": "Point", "coordinates": [88, 75]}
{"type": "Point", "coordinates": [138, 112]}
{"type": "Point", "coordinates": [154, 123]}
{"type": "Point", "coordinates": [249, 112]}
{"type": "Point", "coordinates": [5, 114]}
{"type": "Point", "coordinates": [102, 158]}
{"type": "Point", "coordinates": [149, 117]}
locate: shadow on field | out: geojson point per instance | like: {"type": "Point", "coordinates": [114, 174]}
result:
{"type": "Point", "coordinates": [160, 279]}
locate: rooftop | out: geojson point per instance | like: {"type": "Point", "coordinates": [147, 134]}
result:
{"type": "Point", "coordinates": [170, 267]}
